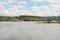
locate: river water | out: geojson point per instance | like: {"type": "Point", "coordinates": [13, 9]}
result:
{"type": "Point", "coordinates": [29, 31]}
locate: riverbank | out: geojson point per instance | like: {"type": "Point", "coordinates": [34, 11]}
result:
{"type": "Point", "coordinates": [33, 22]}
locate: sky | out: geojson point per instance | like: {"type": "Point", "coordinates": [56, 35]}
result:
{"type": "Point", "coordinates": [29, 7]}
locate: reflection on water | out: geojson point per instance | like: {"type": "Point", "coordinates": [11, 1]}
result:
{"type": "Point", "coordinates": [29, 31]}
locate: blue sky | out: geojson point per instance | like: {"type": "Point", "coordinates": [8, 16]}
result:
{"type": "Point", "coordinates": [30, 7]}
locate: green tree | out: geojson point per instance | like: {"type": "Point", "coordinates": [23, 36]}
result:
{"type": "Point", "coordinates": [49, 20]}
{"type": "Point", "coordinates": [58, 18]}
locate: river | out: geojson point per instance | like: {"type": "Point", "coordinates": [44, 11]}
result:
{"type": "Point", "coordinates": [29, 31]}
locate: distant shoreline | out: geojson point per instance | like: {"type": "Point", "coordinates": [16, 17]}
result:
{"type": "Point", "coordinates": [29, 18]}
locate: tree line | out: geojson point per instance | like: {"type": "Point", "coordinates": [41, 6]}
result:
{"type": "Point", "coordinates": [30, 18]}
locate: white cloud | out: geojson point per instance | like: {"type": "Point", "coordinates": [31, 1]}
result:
{"type": "Point", "coordinates": [11, 1]}
{"type": "Point", "coordinates": [43, 11]}
{"type": "Point", "coordinates": [21, 7]}
{"type": "Point", "coordinates": [19, 11]}
{"type": "Point", "coordinates": [13, 8]}
{"type": "Point", "coordinates": [35, 10]}
{"type": "Point", "coordinates": [52, 0]}
{"type": "Point", "coordinates": [2, 5]}
{"type": "Point", "coordinates": [52, 9]}
{"type": "Point", "coordinates": [9, 12]}
{"type": "Point", "coordinates": [22, 2]}
{"type": "Point", "coordinates": [40, 8]}
{"type": "Point", "coordinates": [46, 0]}
{"type": "Point", "coordinates": [14, 11]}
{"type": "Point", "coordinates": [16, 8]}
{"type": "Point", "coordinates": [37, 0]}
{"type": "Point", "coordinates": [26, 12]}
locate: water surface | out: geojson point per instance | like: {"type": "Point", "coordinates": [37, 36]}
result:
{"type": "Point", "coordinates": [29, 31]}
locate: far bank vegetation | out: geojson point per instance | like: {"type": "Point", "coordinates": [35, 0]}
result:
{"type": "Point", "coordinates": [31, 18]}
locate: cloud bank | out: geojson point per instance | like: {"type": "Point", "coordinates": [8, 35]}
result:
{"type": "Point", "coordinates": [30, 7]}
